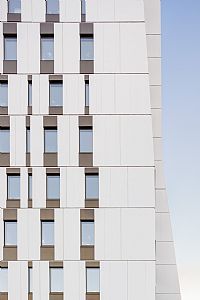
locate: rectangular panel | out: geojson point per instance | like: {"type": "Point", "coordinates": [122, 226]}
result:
{"type": "Point", "coordinates": [3, 187]}
{"type": "Point", "coordinates": [155, 71]}
{"type": "Point", "coordinates": [39, 187]}
{"type": "Point", "coordinates": [74, 278]}
{"type": "Point", "coordinates": [59, 234]}
{"type": "Point", "coordinates": [24, 187]}
{"type": "Point", "coordinates": [17, 94]}
{"type": "Point", "coordinates": [33, 52]}
{"type": "Point", "coordinates": [100, 11]}
{"type": "Point", "coordinates": [129, 10]}
{"type": "Point", "coordinates": [1, 234]}
{"type": "Point", "coordinates": [152, 16]}
{"type": "Point", "coordinates": [38, 9]}
{"type": "Point", "coordinates": [3, 12]}
{"type": "Point", "coordinates": [40, 94]}
{"type": "Point", "coordinates": [163, 227]}
{"type": "Point", "coordinates": [58, 45]}
{"type": "Point", "coordinates": [167, 279]}
{"type": "Point", "coordinates": [26, 10]}
{"type": "Point", "coordinates": [1, 46]}
{"type": "Point", "coordinates": [36, 140]}
{"type": "Point", "coordinates": [75, 178]}
{"type": "Point", "coordinates": [165, 253]}
{"type": "Point", "coordinates": [70, 10]}
{"type": "Point", "coordinates": [14, 291]}
{"type": "Point", "coordinates": [40, 280]}
{"type": "Point", "coordinates": [18, 141]}
{"type": "Point", "coordinates": [22, 47]}
{"type": "Point", "coordinates": [71, 54]}
{"type": "Point", "coordinates": [22, 234]}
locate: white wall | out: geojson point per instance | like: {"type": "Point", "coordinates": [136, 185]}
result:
{"type": "Point", "coordinates": [17, 141]}
{"type": "Point", "coordinates": [1, 234]}
{"type": "Point", "coordinates": [70, 11]}
{"type": "Point", "coordinates": [36, 140]}
{"type": "Point", "coordinates": [17, 280]}
{"type": "Point", "coordinates": [74, 278]}
{"type": "Point", "coordinates": [40, 93]}
{"type": "Point", "coordinates": [1, 47]}
{"type": "Point", "coordinates": [17, 94]}
{"type": "Point", "coordinates": [39, 187]}
{"type": "Point", "coordinates": [40, 280]}
{"type": "Point", "coordinates": [3, 187]}
{"type": "Point", "coordinates": [3, 11]}
{"type": "Point", "coordinates": [24, 187]}
{"type": "Point", "coordinates": [33, 10]}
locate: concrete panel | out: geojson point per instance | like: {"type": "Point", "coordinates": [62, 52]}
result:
{"type": "Point", "coordinates": [39, 187]}
{"type": "Point", "coordinates": [157, 148]}
{"type": "Point", "coordinates": [36, 140]}
{"type": "Point", "coordinates": [155, 92]}
{"type": "Point", "coordinates": [24, 187]}
{"type": "Point", "coordinates": [40, 280]}
{"type": "Point", "coordinates": [33, 52]}
{"type": "Point", "coordinates": [167, 279]}
{"type": "Point", "coordinates": [22, 47]}
{"type": "Point", "coordinates": [59, 234]}
{"type": "Point", "coordinates": [157, 122]}
{"type": "Point", "coordinates": [129, 10]}
{"type": "Point", "coordinates": [155, 71]}
{"type": "Point", "coordinates": [74, 278]}
{"type": "Point", "coordinates": [160, 180]}
{"type": "Point", "coordinates": [14, 291]}
{"type": "Point", "coordinates": [154, 45]}
{"type": "Point", "coordinates": [70, 11]}
{"type": "Point", "coordinates": [18, 141]}
{"type": "Point", "coordinates": [152, 16]}
{"type": "Point", "coordinates": [165, 253]}
{"type": "Point", "coordinates": [161, 201]}
{"type": "Point", "coordinates": [17, 94]}
{"type": "Point", "coordinates": [163, 227]}
{"type": "Point", "coordinates": [75, 196]}
{"type": "Point", "coordinates": [100, 11]}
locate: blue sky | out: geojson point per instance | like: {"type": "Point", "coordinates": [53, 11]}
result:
{"type": "Point", "coordinates": [181, 132]}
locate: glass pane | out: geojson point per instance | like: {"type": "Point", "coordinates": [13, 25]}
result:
{"type": "Point", "coordinates": [10, 233]}
{"type": "Point", "coordinates": [30, 94]}
{"type": "Point", "coordinates": [86, 93]}
{"type": "Point", "coordinates": [28, 140]}
{"type": "Point", "coordinates": [56, 94]}
{"type": "Point", "coordinates": [4, 94]}
{"type": "Point", "coordinates": [86, 141]}
{"type": "Point", "coordinates": [3, 280]}
{"type": "Point", "coordinates": [47, 233]}
{"type": "Point", "coordinates": [47, 50]}
{"type": "Point", "coordinates": [87, 233]}
{"type": "Point", "coordinates": [53, 187]}
{"type": "Point", "coordinates": [4, 141]}
{"type": "Point", "coordinates": [87, 48]}
{"type": "Point", "coordinates": [30, 186]}
{"type": "Point", "coordinates": [14, 187]}
{"type": "Point", "coordinates": [83, 7]}
{"type": "Point", "coordinates": [10, 48]}
{"type": "Point", "coordinates": [53, 7]}
{"type": "Point", "coordinates": [14, 6]}
{"type": "Point", "coordinates": [30, 280]}
{"type": "Point", "coordinates": [92, 186]}
{"type": "Point", "coordinates": [56, 277]}
{"type": "Point", "coordinates": [50, 140]}
{"type": "Point", "coordinates": [93, 280]}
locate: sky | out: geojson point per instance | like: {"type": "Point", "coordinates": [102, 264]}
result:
{"type": "Point", "coordinates": [181, 133]}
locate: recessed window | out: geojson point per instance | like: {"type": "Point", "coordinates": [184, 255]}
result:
{"type": "Point", "coordinates": [28, 140]}
{"type": "Point", "coordinates": [47, 47]}
{"type": "Point", "coordinates": [86, 140]}
{"type": "Point", "coordinates": [87, 48]}
{"type": "Point", "coordinates": [50, 140]}
{"type": "Point", "coordinates": [30, 186]}
{"type": "Point", "coordinates": [92, 186]}
{"type": "Point", "coordinates": [56, 94]}
{"type": "Point", "coordinates": [14, 6]}
{"type": "Point", "coordinates": [14, 187]}
{"type": "Point", "coordinates": [87, 233]}
{"type": "Point", "coordinates": [53, 187]}
{"type": "Point", "coordinates": [10, 47]}
{"type": "Point", "coordinates": [30, 280]}
{"type": "Point", "coordinates": [10, 233]}
{"type": "Point", "coordinates": [3, 93]}
{"type": "Point", "coordinates": [4, 140]}
{"type": "Point", "coordinates": [92, 280]}
{"type": "Point", "coordinates": [3, 280]}
{"type": "Point", "coordinates": [56, 280]}
{"type": "Point", "coordinates": [29, 93]}
{"type": "Point", "coordinates": [47, 233]}
{"type": "Point", "coordinates": [87, 93]}
{"type": "Point", "coordinates": [52, 7]}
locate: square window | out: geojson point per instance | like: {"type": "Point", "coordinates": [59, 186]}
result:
{"type": "Point", "coordinates": [30, 280]}
{"type": "Point", "coordinates": [93, 280]}
{"type": "Point", "coordinates": [56, 280]}
{"type": "Point", "coordinates": [4, 140]}
{"type": "Point", "coordinates": [13, 186]}
{"type": "Point", "coordinates": [14, 6]}
{"type": "Point", "coordinates": [86, 140]}
{"type": "Point", "coordinates": [53, 187]}
{"type": "Point", "coordinates": [30, 93]}
{"type": "Point", "coordinates": [87, 48]}
{"type": "Point", "coordinates": [52, 6]}
{"type": "Point", "coordinates": [92, 186]}
{"type": "Point", "coordinates": [10, 48]}
{"type": "Point", "coordinates": [3, 93]}
{"type": "Point", "coordinates": [86, 93]}
{"type": "Point", "coordinates": [30, 186]}
{"type": "Point", "coordinates": [47, 233]}
{"type": "Point", "coordinates": [10, 233]}
{"type": "Point", "coordinates": [3, 280]}
{"type": "Point", "coordinates": [50, 140]}
{"type": "Point", "coordinates": [47, 48]}
{"type": "Point", "coordinates": [87, 233]}
{"type": "Point", "coordinates": [56, 94]}
{"type": "Point", "coordinates": [28, 140]}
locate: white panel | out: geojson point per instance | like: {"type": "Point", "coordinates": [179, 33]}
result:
{"type": "Point", "coordinates": [22, 48]}
{"type": "Point", "coordinates": [160, 180]}
{"type": "Point", "coordinates": [40, 94]}
{"type": "Point", "coordinates": [152, 16]}
{"type": "Point", "coordinates": [155, 92]}
{"type": "Point", "coordinates": [167, 279]}
{"type": "Point", "coordinates": [1, 47]}
{"type": "Point", "coordinates": [58, 45]}
{"type": "Point", "coordinates": [154, 45]}
{"type": "Point", "coordinates": [33, 52]}
{"type": "Point", "coordinates": [75, 196]}
{"type": "Point", "coordinates": [12, 140]}
{"type": "Point", "coordinates": [63, 187]}
{"type": "Point", "coordinates": [157, 122]}
{"type": "Point", "coordinates": [129, 10]}
{"type": "Point", "coordinates": [22, 234]}
{"type": "Point", "coordinates": [26, 10]}
{"type": "Point", "coordinates": [38, 10]}
{"type": "Point", "coordinates": [18, 141]}
{"type": "Point", "coordinates": [3, 187]}
{"type": "Point", "coordinates": [17, 94]}
{"type": "Point", "coordinates": [40, 280]}
{"type": "Point", "coordinates": [1, 234]}
{"type": "Point", "coordinates": [74, 278]}
{"type": "Point", "coordinates": [73, 94]}
{"type": "Point", "coordinates": [168, 297]}
{"type": "Point", "coordinates": [3, 12]}
{"type": "Point", "coordinates": [155, 71]}
{"type": "Point", "coordinates": [14, 281]}
{"type": "Point", "coordinates": [39, 187]}
{"type": "Point", "coordinates": [71, 48]}
{"type": "Point", "coordinates": [157, 148]}
{"type": "Point", "coordinates": [23, 188]}
{"type": "Point", "coordinates": [100, 10]}
{"type": "Point", "coordinates": [165, 253]}
{"type": "Point", "coordinates": [59, 234]}
{"type": "Point", "coordinates": [23, 280]}
{"type": "Point", "coordinates": [163, 227]}
{"type": "Point", "coordinates": [161, 201]}
{"type": "Point", "coordinates": [36, 140]}
{"type": "Point", "coordinates": [70, 11]}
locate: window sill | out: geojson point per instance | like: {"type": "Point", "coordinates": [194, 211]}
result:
{"type": "Point", "coordinates": [13, 203]}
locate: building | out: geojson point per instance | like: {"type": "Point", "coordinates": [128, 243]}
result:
{"type": "Point", "coordinates": [83, 208]}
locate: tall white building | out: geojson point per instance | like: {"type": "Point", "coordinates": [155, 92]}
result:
{"type": "Point", "coordinates": [83, 207]}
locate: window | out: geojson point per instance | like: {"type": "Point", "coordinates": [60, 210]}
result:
{"type": "Point", "coordinates": [87, 48]}
{"type": "Point", "coordinates": [56, 94]}
{"type": "Point", "coordinates": [47, 233]}
{"type": "Point", "coordinates": [92, 280]}
{"type": "Point", "coordinates": [4, 140]}
{"type": "Point", "coordinates": [92, 186]}
{"type": "Point", "coordinates": [53, 186]}
{"type": "Point", "coordinates": [83, 7]}
{"type": "Point", "coordinates": [10, 233]}
{"type": "Point", "coordinates": [13, 186]}
{"type": "Point", "coordinates": [52, 6]}
{"type": "Point", "coordinates": [3, 280]}
{"type": "Point", "coordinates": [10, 47]}
{"type": "Point", "coordinates": [29, 93]}
{"type": "Point", "coordinates": [86, 140]}
{"type": "Point", "coordinates": [30, 280]}
{"type": "Point", "coordinates": [87, 233]}
{"type": "Point", "coordinates": [47, 47]}
{"type": "Point", "coordinates": [14, 6]}
{"type": "Point", "coordinates": [86, 93]}
{"type": "Point", "coordinates": [30, 186]}
{"type": "Point", "coordinates": [56, 280]}
{"type": "Point", "coordinates": [50, 140]}
{"type": "Point", "coordinates": [28, 140]}
{"type": "Point", "coordinates": [3, 93]}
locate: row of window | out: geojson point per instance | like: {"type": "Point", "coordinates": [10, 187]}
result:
{"type": "Point", "coordinates": [56, 280]}
{"type": "Point", "coordinates": [55, 93]}
{"type": "Point", "coordinates": [52, 186]}
{"type": "Point", "coordinates": [47, 233]}
{"type": "Point", "coordinates": [47, 47]}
